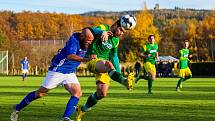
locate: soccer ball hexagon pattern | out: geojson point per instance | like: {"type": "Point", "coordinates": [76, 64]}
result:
{"type": "Point", "coordinates": [128, 21]}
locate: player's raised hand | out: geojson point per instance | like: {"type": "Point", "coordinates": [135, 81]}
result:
{"type": "Point", "coordinates": [190, 56]}
{"type": "Point", "coordinates": [105, 35]}
{"type": "Point", "coordinates": [149, 55]}
{"type": "Point", "coordinates": [110, 33]}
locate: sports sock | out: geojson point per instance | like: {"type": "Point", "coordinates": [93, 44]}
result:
{"type": "Point", "coordinates": [26, 101]}
{"type": "Point", "coordinates": [179, 81]}
{"type": "Point", "coordinates": [116, 76]}
{"type": "Point", "coordinates": [91, 101]}
{"type": "Point", "coordinates": [71, 105]}
{"type": "Point", "coordinates": [186, 78]}
{"type": "Point", "coordinates": [146, 77]}
{"type": "Point", "coordinates": [149, 85]}
{"type": "Point", "coordinates": [23, 76]}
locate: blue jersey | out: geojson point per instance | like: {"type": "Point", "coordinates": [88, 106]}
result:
{"type": "Point", "coordinates": [63, 65]}
{"type": "Point", "coordinates": [24, 64]}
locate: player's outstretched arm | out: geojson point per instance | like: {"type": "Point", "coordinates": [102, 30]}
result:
{"type": "Point", "coordinates": [77, 58]}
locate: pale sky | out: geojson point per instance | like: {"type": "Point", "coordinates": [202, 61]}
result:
{"type": "Point", "coordinates": [81, 6]}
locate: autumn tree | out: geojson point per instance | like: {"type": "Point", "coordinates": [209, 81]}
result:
{"type": "Point", "coordinates": [139, 35]}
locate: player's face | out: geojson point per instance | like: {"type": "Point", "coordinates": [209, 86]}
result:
{"type": "Point", "coordinates": [152, 40]}
{"type": "Point", "coordinates": [186, 45]}
{"type": "Point", "coordinates": [86, 40]}
{"type": "Point", "coordinates": [118, 31]}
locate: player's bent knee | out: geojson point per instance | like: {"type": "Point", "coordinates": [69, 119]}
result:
{"type": "Point", "coordinates": [153, 77]}
{"type": "Point", "coordinates": [41, 95]}
{"type": "Point", "coordinates": [101, 67]}
{"type": "Point", "coordinates": [108, 65]}
{"type": "Point", "coordinates": [78, 94]}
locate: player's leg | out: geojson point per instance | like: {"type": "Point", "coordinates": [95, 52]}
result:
{"type": "Point", "coordinates": [23, 75]}
{"type": "Point", "coordinates": [104, 66]}
{"type": "Point", "coordinates": [138, 77]}
{"type": "Point", "coordinates": [76, 93]}
{"type": "Point", "coordinates": [182, 77]}
{"type": "Point", "coordinates": [151, 78]}
{"type": "Point", "coordinates": [100, 93]}
{"type": "Point", "coordinates": [51, 81]}
{"type": "Point", "coordinates": [92, 100]}
{"type": "Point", "coordinates": [26, 73]}
{"type": "Point", "coordinates": [31, 97]}
{"type": "Point", "coordinates": [72, 85]}
{"type": "Point", "coordinates": [188, 74]}
{"type": "Point", "coordinates": [26, 101]}
{"type": "Point", "coordinates": [145, 71]}
{"type": "Point", "coordinates": [179, 84]}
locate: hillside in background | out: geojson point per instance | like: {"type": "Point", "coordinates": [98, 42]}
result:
{"type": "Point", "coordinates": [39, 35]}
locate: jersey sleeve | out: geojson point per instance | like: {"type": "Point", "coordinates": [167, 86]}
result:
{"type": "Point", "coordinates": [142, 49]}
{"type": "Point", "coordinates": [114, 54]}
{"type": "Point", "coordinates": [104, 27]}
{"type": "Point", "coordinates": [115, 43]}
{"type": "Point", "coordinates": [157, 47]}
{"type": "Point", "coordinates": [100, 29]}
{"type": "Point", "coordinates": [97, 31]}
{"type": "Point", "coordinates": [21, 62]}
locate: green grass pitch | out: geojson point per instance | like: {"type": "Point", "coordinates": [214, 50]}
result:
{"type": "Point", "coordinates": [196, 101]}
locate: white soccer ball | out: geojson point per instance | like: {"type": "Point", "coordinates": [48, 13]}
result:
{"type": "Point", "coordinates": [128, 21]}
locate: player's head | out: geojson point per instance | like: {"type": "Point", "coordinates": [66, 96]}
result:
{"type": "Point", "coordinates": [151, 39]}
{"type": "Point", "coordinates": [59, 50]}
{"type": "Point", "coordinates": [186, 44]}
{"type": "Point", "coordinates": [86, 37]}
{"type": "Point", "coordinates": [117, 29]}
{"type": "Point", "coordinates": [25, 58]}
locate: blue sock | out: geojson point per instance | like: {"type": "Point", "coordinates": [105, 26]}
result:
{"type": "Point", "coordinates": [23, 76]}
{"type": "Point", "coordinates": [29, 98]}
{"type": "Point", "coordinates": [71, 105]}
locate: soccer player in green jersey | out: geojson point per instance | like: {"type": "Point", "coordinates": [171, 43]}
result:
{"type": "Point", "coordinates": [149, 52]}
{"type": "Point", "coordinates": [184, 70]}
{"type": "Point", "coordinates": [105, 65]}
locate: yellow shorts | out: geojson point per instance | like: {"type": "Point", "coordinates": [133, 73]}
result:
{"type": "Point", "coordinates": [185, 72]}
{"type": "Point", "coordinates": [149, 67]}
{"type": "Point", "coordinates": [102, 77]}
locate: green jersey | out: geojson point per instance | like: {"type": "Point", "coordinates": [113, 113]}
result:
{"type": "Point", "coordinates": [150, 49]}
{"type": "Point", "coordinates": [102, 49]}
{"type": "Point", "coordinates": [183, 61]}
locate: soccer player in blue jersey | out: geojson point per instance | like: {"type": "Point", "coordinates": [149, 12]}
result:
{"type": "Point", "coordinates": [62, 71]}
{"type": "Point", "coordinates": [25, 67]}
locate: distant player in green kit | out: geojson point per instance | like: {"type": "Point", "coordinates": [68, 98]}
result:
{"type": "Point", "coordinates": [184, 72]}
{"type": "Point", "coordinates": [149, 52]}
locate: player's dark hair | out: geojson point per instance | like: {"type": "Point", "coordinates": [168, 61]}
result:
{"type": "Point", "coordinates": [118, 23]}
{"type": "Point", "coordinates": [149, 37]}
{"type": "Point", "coordinates": [59, 50]}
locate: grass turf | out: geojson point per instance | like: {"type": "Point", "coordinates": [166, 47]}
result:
{"type": "Point", "coordinates": [196, 101]}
